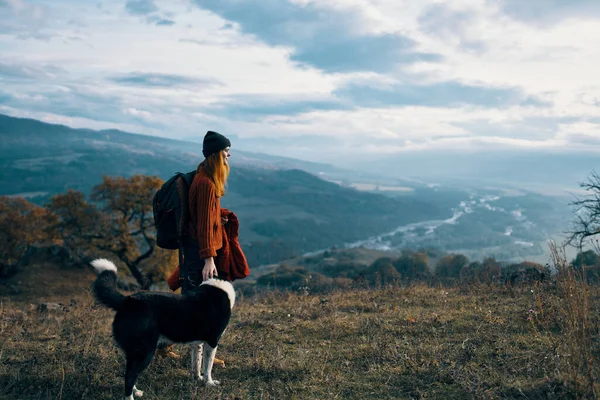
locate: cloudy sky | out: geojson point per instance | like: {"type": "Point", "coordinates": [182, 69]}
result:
{"type": "Point", "coordinates": [317, 78]}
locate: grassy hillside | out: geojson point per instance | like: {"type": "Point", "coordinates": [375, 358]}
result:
{"type": "Point", "coordinates": [369, 343]}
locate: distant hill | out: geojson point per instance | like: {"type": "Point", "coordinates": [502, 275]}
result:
{"type": "Point", "coordinates": [547, 171]}
{"type": "Point", "coordinates": [283, 212]}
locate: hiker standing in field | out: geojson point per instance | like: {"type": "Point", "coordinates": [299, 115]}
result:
{"type": "Point", "coordinates": [210, 247]}
{"type": "Point", "coordinates": [205, 235]}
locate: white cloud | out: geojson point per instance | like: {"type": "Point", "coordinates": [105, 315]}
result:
{"type": "Point", "coordinates": [139, 113]}
{"type": "Point", "coordinates": [205, 71]}
{"type": "Point", "coordinates": [16, 6]}
{"type": "Point", "coordinates": [582, 132]}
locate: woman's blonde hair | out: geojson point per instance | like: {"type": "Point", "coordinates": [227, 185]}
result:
{"type": "Point", "coordinates": [217, 170]}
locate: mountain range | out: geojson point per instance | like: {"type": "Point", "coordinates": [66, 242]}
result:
{"type": "Point", "coordinates": [285, 206]}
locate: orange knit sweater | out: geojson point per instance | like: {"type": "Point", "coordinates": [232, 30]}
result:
{"type": "Point", "coordinates": [205, 215]}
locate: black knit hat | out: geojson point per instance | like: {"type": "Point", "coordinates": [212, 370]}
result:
{"type": "Point", "coordinates": [213, 143]}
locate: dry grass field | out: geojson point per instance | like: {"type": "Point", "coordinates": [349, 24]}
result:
{"type": "Point", "coordinates": [417, 342]}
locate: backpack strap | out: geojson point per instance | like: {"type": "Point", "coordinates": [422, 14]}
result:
{"type": "Point", "coordinates": [182, 193]}
{"type": "Point", "coordinates": [182, 186]}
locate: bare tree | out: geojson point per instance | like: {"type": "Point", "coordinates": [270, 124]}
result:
{"type": "Point", "coordinates": [586, 227]}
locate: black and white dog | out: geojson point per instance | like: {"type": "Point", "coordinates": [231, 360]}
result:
{"type": "Point", "coordinates": [198, 317]}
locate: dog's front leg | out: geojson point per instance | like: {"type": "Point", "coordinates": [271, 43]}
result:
{"type": "Point", "coordinates": [196, 360]}
{"type": "Point", "coordinates": [208, 358]}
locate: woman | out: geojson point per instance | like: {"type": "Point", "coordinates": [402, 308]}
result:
{"type": "Point", "coordinates": [205, 235]}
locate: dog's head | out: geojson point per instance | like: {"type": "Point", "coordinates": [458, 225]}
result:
{"type": "Point", "coordinates": [225, 286]}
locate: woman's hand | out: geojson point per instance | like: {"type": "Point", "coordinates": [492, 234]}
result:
{"type": "Point", "coordinates": [210, 270]}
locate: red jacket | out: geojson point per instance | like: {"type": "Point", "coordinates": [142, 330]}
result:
{"type": "Point", "coordinates": [230, 257]}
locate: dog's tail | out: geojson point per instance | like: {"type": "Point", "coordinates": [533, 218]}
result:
{"type": "Point", "coordinates": [105, 286]}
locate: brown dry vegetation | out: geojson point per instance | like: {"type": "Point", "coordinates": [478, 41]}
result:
{"type": "Point", "coordinates": [370, 343]}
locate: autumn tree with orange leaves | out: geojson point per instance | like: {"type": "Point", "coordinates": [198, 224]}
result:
{"type": "Point", "coordinates": [79, 224]}
{"type": "Point", "coordinates": [118, 222]}
{"type": "Point", "coordinates": [23, 225]}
